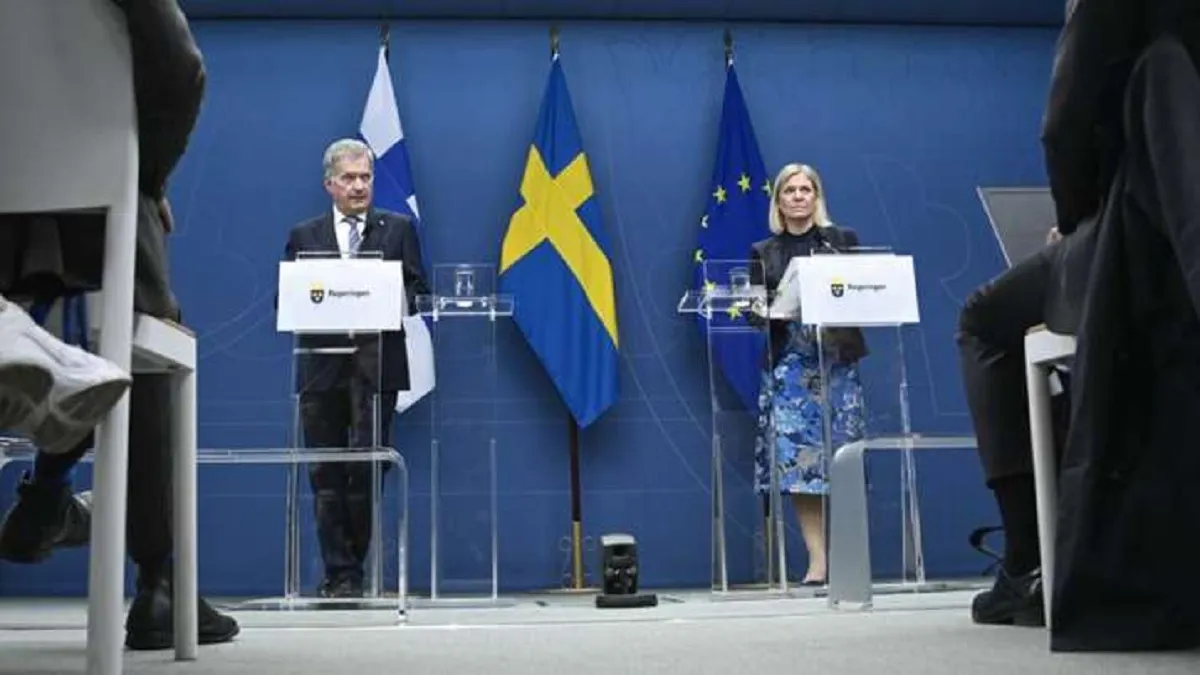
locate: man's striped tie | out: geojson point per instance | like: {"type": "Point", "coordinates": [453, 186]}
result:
{"type": "Point", "coordinates": [355, 237]}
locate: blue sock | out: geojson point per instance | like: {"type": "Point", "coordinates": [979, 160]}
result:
{"type": "Point", "coordinates": [58, 470]}
{"type": "Point", "coordinates": [52, 470]}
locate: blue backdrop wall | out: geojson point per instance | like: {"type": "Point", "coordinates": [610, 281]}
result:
{"type": "Point", "coordinates": [903, 122]}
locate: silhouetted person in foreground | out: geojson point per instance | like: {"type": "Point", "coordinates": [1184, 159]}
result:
{"type": "Point", "coordinates": [169, 83]}
{"type": "Point", "coordinates": [1122, 142]}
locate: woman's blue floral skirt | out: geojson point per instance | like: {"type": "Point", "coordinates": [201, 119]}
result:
{"type": "Point", "coordinates": [791, 422]}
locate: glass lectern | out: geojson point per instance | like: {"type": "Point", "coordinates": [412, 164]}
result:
{"type": "Point", "coordinates": [859, 307]}
{"type": "Point", "coordinates": [341, 311]}
{"type": "Point", "coordinates": [749, 550]}
{"type": "Point", "coordinates": [465, 311]}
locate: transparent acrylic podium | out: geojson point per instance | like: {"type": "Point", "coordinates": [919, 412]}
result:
{"type": "Point", "coordinates": [338, 310]}
{"type": "Point", "coordinates": [749, 550]}
{"type": "Point", "coordinates": [389, 607]}
{"type": "Point", "coordinates": [857, 308]}
{"type": "Point", "coordinates": [464, 546]}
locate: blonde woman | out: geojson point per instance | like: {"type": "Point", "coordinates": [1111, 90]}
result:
{"type": "Point", "coordinates": [791, 427]}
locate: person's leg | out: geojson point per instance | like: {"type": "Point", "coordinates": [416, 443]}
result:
{"type": "Point", "coordinates": [810, 513]}
{"type": "Point", "coordinates": [372, 427]}
{"type": "Point", "coordinates": [46, 515]}
{"type": "Point", "coordinates": [58, 469]}
{"type": "Point", "coordinates": [325, 418]}
{"type": "Point", "coordinates": [148, 522]}
{"type": "Point", "coordinates": [842, 389]}
{"type": "Point", "coordinates": [991, 339]}
{"type": "Point", "coordinates": [150, 500]}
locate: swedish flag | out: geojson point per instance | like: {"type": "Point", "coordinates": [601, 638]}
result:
{"type": "Point", "coordinates": [735, 216]}
{"type": "Point", "coordinates": [555, 262]}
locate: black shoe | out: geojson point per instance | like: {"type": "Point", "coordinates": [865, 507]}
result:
{"type": "Point", "coordinates": [151, 621]}
{"type": "Point", "coordinates": [344, 586]}
{"type": "Point", "coordinates": [1012, 600]}
{"type": "Point", "coordinates": [43, 519]}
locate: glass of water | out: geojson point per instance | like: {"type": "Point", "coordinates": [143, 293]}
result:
{"type": "Point", "coordinates": [739, 280]}
{"type": "Point", "coordinates": [464, 282]}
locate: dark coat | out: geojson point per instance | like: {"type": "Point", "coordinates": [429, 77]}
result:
{"type": "Point", "coordinates": [770, 261]}
{"type": "Point", "coordinates": [381, 360]}
{"type": "Point", "coordinates": [1129, 500]}
{"type": "Point", "coordinates": [43, 257]}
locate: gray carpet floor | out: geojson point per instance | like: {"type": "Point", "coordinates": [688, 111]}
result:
{"type": "Point", "coordinates": [925, 634]}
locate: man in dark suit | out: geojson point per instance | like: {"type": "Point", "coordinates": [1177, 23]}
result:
{"type": "Point", "coordinates": [347, 399]}
{"type": "Point", "coordinates": [169, 80]}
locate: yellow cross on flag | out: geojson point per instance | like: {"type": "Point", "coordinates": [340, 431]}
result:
{"type": "Point", "coordinates": [555, 262]}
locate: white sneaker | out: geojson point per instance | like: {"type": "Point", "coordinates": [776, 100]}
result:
{"type": "Point", "coordinates": [51, 391]}
{"type": "Point", "coordinates": [24, 390]}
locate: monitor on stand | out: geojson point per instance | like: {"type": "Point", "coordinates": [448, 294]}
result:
{"type": "Point", "coordinates": [1020, 218]}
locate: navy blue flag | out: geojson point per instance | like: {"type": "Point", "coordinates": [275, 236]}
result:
{"type": "Point", "coordinates": [734, 218]}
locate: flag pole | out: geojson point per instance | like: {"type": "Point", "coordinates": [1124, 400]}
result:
{"type": "Point", "coordinates": [385, 37]}
{"type": "Point", "coordinates": [768, 532]}
{"type": "Point", "coordinates": [577, 574]}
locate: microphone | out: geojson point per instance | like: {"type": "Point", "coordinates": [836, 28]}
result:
{"type": "Point", "coordinates": [825, 245]}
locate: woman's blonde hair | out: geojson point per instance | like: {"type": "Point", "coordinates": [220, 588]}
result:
{"type": "Point", "coordinates": [820, 210]}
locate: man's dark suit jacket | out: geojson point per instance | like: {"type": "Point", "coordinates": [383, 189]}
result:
{"type": "Point", "coordinates": [847, 343]}
{"type": "Point", "coordinates": [394, 237]}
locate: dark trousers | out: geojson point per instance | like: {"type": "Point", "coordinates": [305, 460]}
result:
{"type": "Point", "coordinates": [991, 340]}
{"type": "Point", "coordinates": [150, 504]}
{"type": "Point", "coordinates": [355, 418]}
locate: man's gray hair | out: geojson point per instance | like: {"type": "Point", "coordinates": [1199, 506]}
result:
{"type": "Point", "coordinates": [345, 148]}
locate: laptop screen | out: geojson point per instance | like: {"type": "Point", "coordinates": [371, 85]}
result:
{"type": "Point", "coordinates": [1020, 219]}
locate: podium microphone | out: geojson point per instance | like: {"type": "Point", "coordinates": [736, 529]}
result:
{"type": "Point", "coordinates": [825, 245]}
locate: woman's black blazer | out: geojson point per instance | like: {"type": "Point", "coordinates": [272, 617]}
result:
{"type": "Point", "coordinates": [770, 260]}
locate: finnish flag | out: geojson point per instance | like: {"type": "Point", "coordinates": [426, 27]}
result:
{"type": "Point", "coordinates": [380, 129]}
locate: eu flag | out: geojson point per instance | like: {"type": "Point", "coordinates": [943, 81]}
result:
{"type": "Point", "coordinates": [734, 218]}
{"type": "Point", "coordinates": [556, 264]}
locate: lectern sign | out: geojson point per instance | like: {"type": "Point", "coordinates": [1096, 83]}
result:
{"type": "Point", "coordinates": [860, 289]}
{"type": "Point", "coordinates": [338, 295]}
